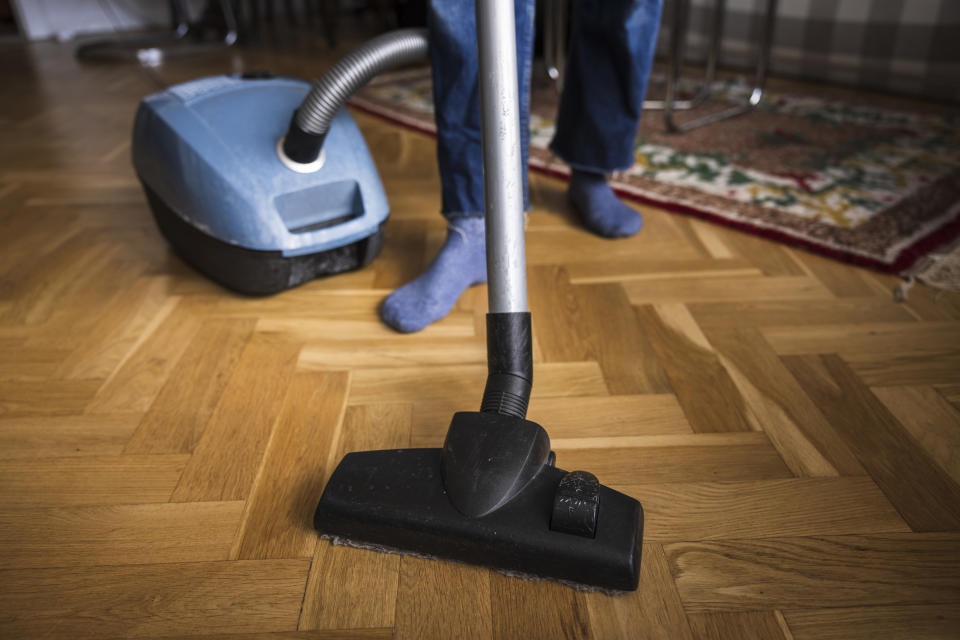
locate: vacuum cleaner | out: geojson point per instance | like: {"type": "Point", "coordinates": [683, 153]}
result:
{"type": "Point", "coordinates": [262, 182]}
{"type": "Point", "coordinates": [261, 200]}
{"type": "Point", "coordinates": [492, 495]}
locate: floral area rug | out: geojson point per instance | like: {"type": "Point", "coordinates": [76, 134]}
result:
{"type": "Point", "coordinates": [868, 185]}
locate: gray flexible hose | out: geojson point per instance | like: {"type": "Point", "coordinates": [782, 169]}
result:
{"type": "Point", "coordinates": [330, 93]}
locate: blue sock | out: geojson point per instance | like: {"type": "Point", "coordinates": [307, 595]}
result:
{"type": "Point", "coordinates": [599, 208]}
{"type": "Point", "coordinates": [461, 263]}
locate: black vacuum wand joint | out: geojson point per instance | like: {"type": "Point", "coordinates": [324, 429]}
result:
{"type": "Point", "coordinates": [509, 364]}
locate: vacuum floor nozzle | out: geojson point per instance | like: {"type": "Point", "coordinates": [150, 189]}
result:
{"type": "Point", "coordinates": [559, 525]}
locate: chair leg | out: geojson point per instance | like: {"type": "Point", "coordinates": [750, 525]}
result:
{"type": "Point", "coordinates": [756, 94]}
{"type": "Point", "coordinates": [555, 40]}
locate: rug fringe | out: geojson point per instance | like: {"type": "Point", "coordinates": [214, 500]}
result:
{"type": "Point", "coordinates": [940, 270]}
{"type": "Point", "coordinates": [902, 291]}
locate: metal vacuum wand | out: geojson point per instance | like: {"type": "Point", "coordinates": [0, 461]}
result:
{"type": "Point", "coordinates": [509, 337]}
{"type": "Point", "coordinates": [502, 156]}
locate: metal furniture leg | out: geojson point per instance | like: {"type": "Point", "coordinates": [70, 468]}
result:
{"type": "Point", "coordinates": [555, 40]}
{"type": "Point", "coordinates": [677, 50]}
{"type": "Point", "coordinates": [677, 33]}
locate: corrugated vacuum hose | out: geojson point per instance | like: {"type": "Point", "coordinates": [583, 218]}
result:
{"type": "Point", "coordinates": [312, 119]}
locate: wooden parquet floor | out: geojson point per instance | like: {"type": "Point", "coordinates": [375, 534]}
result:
{"type": "Point", "coordinates": [792, 432]}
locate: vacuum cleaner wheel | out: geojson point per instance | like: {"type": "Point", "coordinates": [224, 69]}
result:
{"type": "Point", "coordinates": [254, 272]}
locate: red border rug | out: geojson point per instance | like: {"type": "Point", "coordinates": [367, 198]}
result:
{"type": "Point", "coordinates": [867, 185]}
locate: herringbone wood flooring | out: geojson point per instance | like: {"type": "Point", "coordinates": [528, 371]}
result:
{"type": "Point", "coordinates": [791, 431]}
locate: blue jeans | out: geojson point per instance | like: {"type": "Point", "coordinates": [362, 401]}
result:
{"type": "Point", "coordinates": [456, 100]}
{"type": "Point", "coordinates": [612, 47]}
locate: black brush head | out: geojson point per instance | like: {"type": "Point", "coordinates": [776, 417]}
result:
{"type": "Point", "coordinates": [397, 499]}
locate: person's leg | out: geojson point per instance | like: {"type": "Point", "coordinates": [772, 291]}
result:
{"type": "Point", "coordinates": [612, 48]}
{"type": "Point", "coordinates": [461, 262]}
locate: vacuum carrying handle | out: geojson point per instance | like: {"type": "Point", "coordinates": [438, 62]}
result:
{"type": "Point", "coordinates": [509, 342]}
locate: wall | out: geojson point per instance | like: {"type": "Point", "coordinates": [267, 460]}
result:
{"type": "Point", "coordinates": [63, 19]}
{"type": "Point", "coordinates": [906, 46]}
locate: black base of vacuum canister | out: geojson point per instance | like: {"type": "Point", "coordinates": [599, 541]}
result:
{"type": "Point", "coordinates": [254, 272]}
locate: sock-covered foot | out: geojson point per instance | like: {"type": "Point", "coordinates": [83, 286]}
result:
{"type": "Point", "coordinates": [461, 263]}
{"type": "Point", "coordinates": [599, 208]}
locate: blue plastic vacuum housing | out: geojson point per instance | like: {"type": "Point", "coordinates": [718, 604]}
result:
{"type": "Point", "coordinates": [207, 155]}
